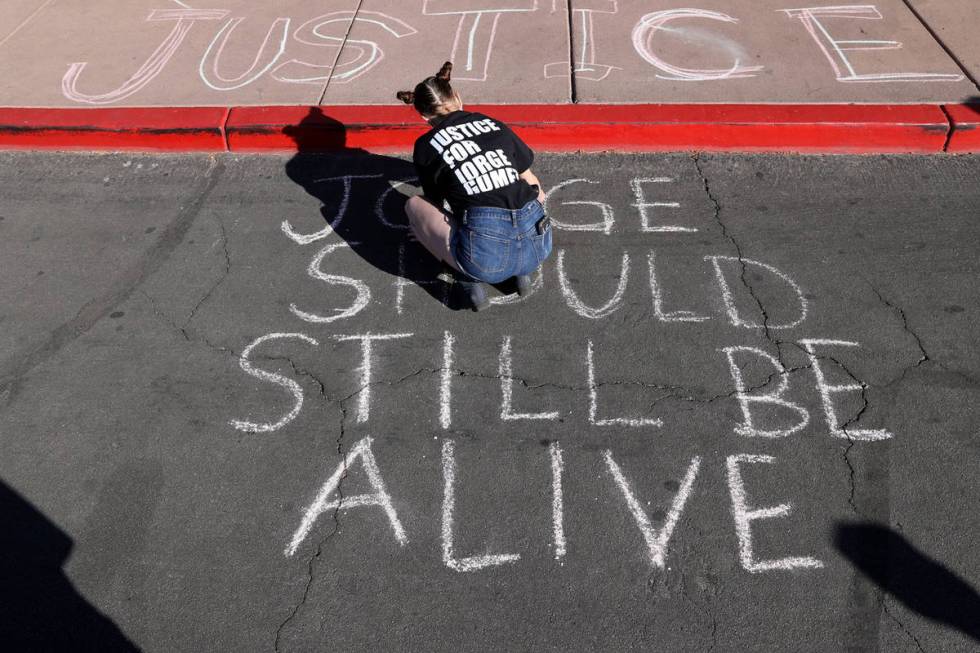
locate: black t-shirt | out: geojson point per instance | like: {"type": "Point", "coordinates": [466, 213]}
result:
{"type": "Point", "coordinates": [472, 160]}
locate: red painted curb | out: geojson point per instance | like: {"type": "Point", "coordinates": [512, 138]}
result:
{"type": "Point", "coordinates": [965, 121]}
{"type": "Point", "coordinates": [192, 128]}
{"type": "Point", "coordinates": [861, 129]}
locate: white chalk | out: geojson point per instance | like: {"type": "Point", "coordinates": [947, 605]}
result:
{"type": "Point", "coordinates": [744, 517]}
{"type": "Point", "coordinates": [651, 23]}
{"type": "Point", "coordinates": [774, 398]}
{"type": "Point", "coordinates": [367, 361]}
{"type": "Point", "coordinates": [154, 64]}
{"type": "Point", "coordinates": [656, 541]}
{"type": "Point", "coordinates": [367, 54]}
{"type": "Point", "coordinates": [347, 184]}
{"type": "Point", "coordinates": [658, 302]}
{"type": "Point", "coordinates": [833, 49]}
{"type": "Point", "coordinates": [827, 391]}
{"type": "Point", "coordinates": [576, 304]}
{"type": "Point", "coordinates": [537, 283]}
{"type": "Point", "coordinates": [604, 225]}
{"type": "Point", "coordinates": [594, 402]}
{"type": "Point", "coordinates": [401, 279]}
{"type": "Point", "coordinates": [642, 205]}
{"type": "Point", "coordinates": [360, 302]}
{"type": "Point", "coordinates": [321, 504]}
{"type": "Point", "coordinates": [729, 300]}
{"type": "Point", "coordinates": [403, 187]}
{"type": "Point", "coordinates": [506, 374]}
{"type": "Point", "coordinates": [446, 380]}
{"type": "Point", "coordinates": [470, 563]}
{"type": "Point", "coordinates": [557, 501]}
{"type": "Point", "coordinates": [294, 388]}
{"type": "Point", "coordinates": [268, 54]}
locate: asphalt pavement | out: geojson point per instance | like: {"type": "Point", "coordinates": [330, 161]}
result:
{"type": "Point", "coordinates": [241, 411]}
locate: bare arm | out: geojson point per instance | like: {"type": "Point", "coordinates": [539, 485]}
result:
{"type": "Point", "coordinates": [532, 180]}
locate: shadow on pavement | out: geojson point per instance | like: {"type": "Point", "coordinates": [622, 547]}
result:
{"type": "Point", "coordinates": [351, 207]}
{"type": "Point", "coordinates": [921, 584]}
{"type": "Point", "coordinates": [41, 610]}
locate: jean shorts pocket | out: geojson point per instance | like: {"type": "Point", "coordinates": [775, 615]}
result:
{"type": "Point", "coordinates": [488, 255]}
{"type": "Point", "coordinates": [542, 245]}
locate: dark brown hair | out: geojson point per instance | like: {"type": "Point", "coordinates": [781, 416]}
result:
{"type": "Point", "coordinates": [432, 93]}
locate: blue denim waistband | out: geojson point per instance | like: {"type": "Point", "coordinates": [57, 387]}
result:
{"type": "Point", "coordinates": [514, 216]}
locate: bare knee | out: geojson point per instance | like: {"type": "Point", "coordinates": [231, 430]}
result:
{"type": "Point", "coordinates": [415, 208]}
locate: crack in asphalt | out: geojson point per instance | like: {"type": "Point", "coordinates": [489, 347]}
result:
{"type": "Point", "coordinates": [311, 563]}
{"type": "Point", "coordinates": [865, 404]}
{"type": "Point", "coordinates": [924, 356]}
{"type": "Point", "coordinates": [227, 271]}
{"type": "Point", "coordinates": [767, 332]}
{"type": "Point", "coordinates": [898, 622]}
{"type": "Point", "coordinates": [182, 330]}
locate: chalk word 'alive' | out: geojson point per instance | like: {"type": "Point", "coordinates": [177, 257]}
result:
{"type": "Point", "coordinates": [472, 47]}
{"type": "Point", "coordinates": [757, 404]}
{"type": "Point", "coordinates": [657, 540]}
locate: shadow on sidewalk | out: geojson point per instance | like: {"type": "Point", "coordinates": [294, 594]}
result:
{"type": "Point", "coordinates": [42, 611]}
{"type": "Point", "coordinates": [358, 207]}
{"type": "Point", "coordinates": [919, 583]}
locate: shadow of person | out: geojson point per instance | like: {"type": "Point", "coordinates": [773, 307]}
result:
{"type": "Point", "coordinates": [360, 200]}
{"type": "Point", "coordinates": [42, 611]}
{"type": "Point", "coordinates": [921, 584]}
{"type": "Point", "coordinates": [972, 103]}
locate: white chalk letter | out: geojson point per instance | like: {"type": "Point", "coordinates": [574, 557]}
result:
{"type": "Point", "coordinates": [367, 361]}
{"type": "Point", "coordinates": [744, 517]}
{"type": "Point", "coordinates": [363, 291]}
{"type": "Point", "coordinates": [322, 504]}
{"type": "Point", "coordinates": [729, 299]}
{"type": "Point", "coordinates": [594, 402]}
{"type": "Point", "coordinates": [827, 391]}
{"type": "Point", "coordinates": [656, 540]}
{"type": "Point", "coordinates": [774, 398]}
{"type": "Point", "coordinates": [446, 380]}
{"type": "Point", "coordinates": [271, 49]}
{"type": "Point", "coordinates": [577, 305]}
{"type": "Point", "coordinates": [306, 239]}
{"type": "Point", "coordinates": [834, 49]}
{"type": "Point", "coordinates": [505, 371]}
{"type": "Point", "coordinates": [642, 205]}
{"type": "Point", "coordinates": [152, 66]}
{"type": "Point", "coordinates": [278, 379]}
{"type": "Point", "coordinates": [557, 501]}
{"type": "Point", "coordinates": [605, 225]}
{"type": "Point", "coordinates": [471, 563]}
{"type": "Point", "coordinates": [658, 301]}
{"type": "Point", "coordinates": [651, 23]}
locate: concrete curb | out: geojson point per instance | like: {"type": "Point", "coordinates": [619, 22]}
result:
{"type": "Point", "coordinates": [807, 128]}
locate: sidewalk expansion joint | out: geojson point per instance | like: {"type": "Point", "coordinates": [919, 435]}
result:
{"type": "Point", "coordinates": [949, 53]}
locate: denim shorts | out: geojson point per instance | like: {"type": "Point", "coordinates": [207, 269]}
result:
{"type": "Point", "coordinates": [492, 244]}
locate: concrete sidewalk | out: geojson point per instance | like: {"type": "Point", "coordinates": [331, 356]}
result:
{"type": "Point", "coordinates": [64, 54]}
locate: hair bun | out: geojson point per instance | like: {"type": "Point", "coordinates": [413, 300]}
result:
{"type": "Point", "coordinates": [408, 97]}
{"type": "Point", "coordinates": [446, 71]}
